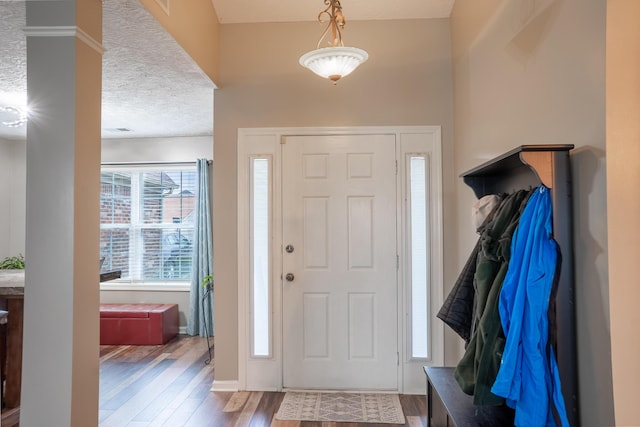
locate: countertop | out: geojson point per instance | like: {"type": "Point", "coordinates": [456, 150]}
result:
{"type": "Point", "coordinates": [11, 282]}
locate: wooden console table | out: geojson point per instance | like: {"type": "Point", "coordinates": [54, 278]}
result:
{"type": "Point", "coordinates": [12, 289]}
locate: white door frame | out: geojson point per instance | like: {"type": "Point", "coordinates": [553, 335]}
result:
{"type": "Point", "coordinates": [264, 372]}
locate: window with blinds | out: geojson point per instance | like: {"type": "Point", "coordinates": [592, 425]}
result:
{"type": "Point", "coordinates": [146, 221]}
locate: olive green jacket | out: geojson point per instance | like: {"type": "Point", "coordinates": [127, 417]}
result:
{"type": "Point", "coordinates": [478, 368]}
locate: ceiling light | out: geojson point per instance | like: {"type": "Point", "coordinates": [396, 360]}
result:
{"type": "Point", "coordinates": [12, 117]}
{"type": "Point", "coordinates": [337, 60]}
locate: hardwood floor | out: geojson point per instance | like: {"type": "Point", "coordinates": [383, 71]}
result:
{"type": "Point", "coordinates": [170, 386]}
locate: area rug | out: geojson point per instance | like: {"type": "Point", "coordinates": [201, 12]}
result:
{"type": "Point", "coordinates": [344, 407]}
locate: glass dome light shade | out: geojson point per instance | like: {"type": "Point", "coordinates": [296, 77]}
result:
{"type": "Point", "coordinates": [333, 63]}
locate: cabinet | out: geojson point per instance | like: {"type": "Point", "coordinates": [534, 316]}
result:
{"type": "Point", "coordinates": [524, 167]}
{"type": "Point", "coordinates": [448, 406]}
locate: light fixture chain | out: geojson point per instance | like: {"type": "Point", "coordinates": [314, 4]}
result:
{"type": "Point", "coordinates": [336, 22]}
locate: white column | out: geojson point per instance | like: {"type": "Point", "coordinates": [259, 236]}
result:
{"type": "Point", "coordinates": [60, 372]}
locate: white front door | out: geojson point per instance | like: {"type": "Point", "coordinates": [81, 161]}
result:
{"type": "Point", "coordinates": [340, 286]}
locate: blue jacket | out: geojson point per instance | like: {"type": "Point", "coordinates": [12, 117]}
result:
{"type": "Point", "coordinates": [528, 376]}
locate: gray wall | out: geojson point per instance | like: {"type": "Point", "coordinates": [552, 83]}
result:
{"type": "Point", "coordinates": [406, 81]}
{"type": "Point", "coordinates": [13, 173]}
{"type": "Point", "coordinates": [534, 75]}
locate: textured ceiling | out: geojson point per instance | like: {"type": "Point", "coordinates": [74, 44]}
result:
{"type": "Point", "coordinates": [237, 11]}
{"type": "Point", "coordinates": [150, 85]}
{"type": "Point", "coordinates": [13, 69]}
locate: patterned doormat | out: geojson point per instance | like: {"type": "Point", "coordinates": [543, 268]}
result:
{"type": "Point", "coordinates": [345, 407]}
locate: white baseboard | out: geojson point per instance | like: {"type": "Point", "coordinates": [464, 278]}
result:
{"type": "Point", "coordinates": [230, 386]}
{"type": "Point", "coordinates": [182, 330]}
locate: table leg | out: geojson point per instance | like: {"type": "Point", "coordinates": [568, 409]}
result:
{"type": "Point", "coordinates": [14, 353]}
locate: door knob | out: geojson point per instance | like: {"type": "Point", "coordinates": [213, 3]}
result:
{"type": "Point", "coordinates": [289, 277]}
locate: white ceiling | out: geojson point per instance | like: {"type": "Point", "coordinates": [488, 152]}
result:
{"type": "Point", "coordinates": [150, 85]}
{"type": "Point", "coordinates": [237, 11]}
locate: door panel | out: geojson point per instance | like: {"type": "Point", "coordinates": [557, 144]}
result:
{"type": "Point", "coordinates": [340, 306]}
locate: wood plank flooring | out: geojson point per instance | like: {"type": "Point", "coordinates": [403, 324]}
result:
{"type": "Point", "coordinates": [170, 386]}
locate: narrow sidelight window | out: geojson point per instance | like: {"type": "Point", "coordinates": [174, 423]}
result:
{"type": "Point", "coordinates": [418, 222]}
{"type": "Point", "coordinates": [260, 298]}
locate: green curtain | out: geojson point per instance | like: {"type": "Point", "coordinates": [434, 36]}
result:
{"type": "Point", "coordinates": [201, 297]}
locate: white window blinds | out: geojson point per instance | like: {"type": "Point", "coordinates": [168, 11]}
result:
{"type": "Point", "coordinates": [146, 221]}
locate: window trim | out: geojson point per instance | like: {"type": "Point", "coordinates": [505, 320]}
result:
{"type": "Point", "coordinates": [146, 285]}
{"type": "Point", "coordinates": [115, 285]}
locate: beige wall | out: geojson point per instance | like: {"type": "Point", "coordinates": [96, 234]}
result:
{"type": "Point", "coordinates": [623, 201]}
{"type": "Point", "coordinates": [530, 76]}
{"type": "Point", "coordinates": [194, 25]}
{"type": "Point", "coordinates": [407, 81]}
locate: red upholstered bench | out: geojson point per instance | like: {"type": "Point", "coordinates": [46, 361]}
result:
{"type": "Point", "coordinates": [138, 324]}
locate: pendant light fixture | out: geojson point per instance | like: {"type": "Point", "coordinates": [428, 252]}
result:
{"type": "Point", "coordinates": [337, 60]}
